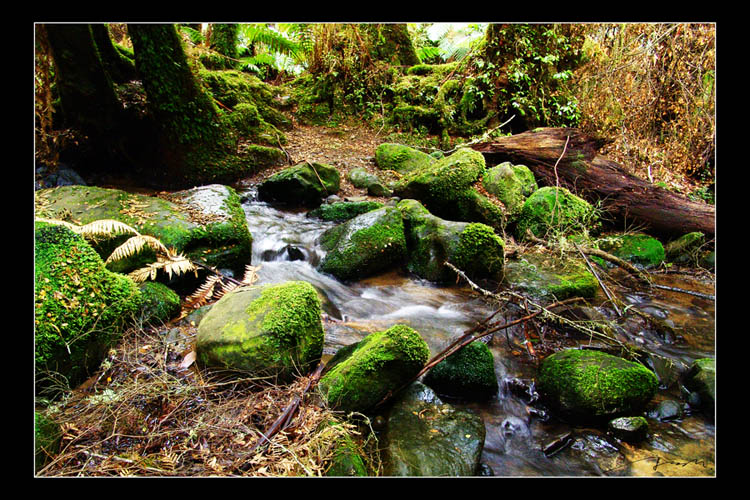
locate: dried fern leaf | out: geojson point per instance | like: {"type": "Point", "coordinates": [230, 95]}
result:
{"type": "Point", "coordinates": [106, 227]}
{"type": "Point", "coordinates": [202, 295]}
{"type": "Point", "coordinates": [251, 275]}
{"type": "Point", "coordinates": [134, 245]}
{"type": "Point", "coordinates": [177, 264]}
{"type": "Point", "coordinates": [224, 288]}
{"type": "Point", "coordinates": [145, 273]}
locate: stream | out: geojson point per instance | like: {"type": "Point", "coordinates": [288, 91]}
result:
{"type": "Point", "coordinates": [285, 247]}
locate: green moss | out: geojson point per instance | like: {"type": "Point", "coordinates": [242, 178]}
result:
{"type": "Point", "coordinates": [586, 384]}
{"type": "Point", "coordinates": [369, 243]}
{"type": "Point", "coordinates": [304, 184]}
{"type": "Point", "coordinates": [686, 248]}
{"type": "Point", "coordinates": [468, 374]}
{"type": "Point", "coordinates": [160, 303]}
{"type": "Point", "coordinates": [270, 329]}
{"type": "Point", "coordinates": [361, 374]}
{"type": "Point", "coordinates": [401, 158]}
{"type": "Point", "coordinates": [344, 210]}
{"type": "Point", "coordinates": [640, 249]}
{"type": "Point", "coordinates": [552, 209]}
{"type": "Point", "coordinates": [546, 276]}
{"type": "Point", "coordinates": [80, 307]}
{"type": "Point", "coordinates": [480, 252]}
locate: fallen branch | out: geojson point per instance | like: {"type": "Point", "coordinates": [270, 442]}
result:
{"type": "Point", "coordinates": [689, 292]}
{"type": "Point", "coordinates": [601, 284]}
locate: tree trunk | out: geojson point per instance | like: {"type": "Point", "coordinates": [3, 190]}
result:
{"type": "Point", "coordinates": [195, 146]}
{"type": "Point", "coordinates": [119, 67]}
{"type": "Point", "coordinates": [87, 96]}
{"type": "Point", "coordinates": [630, 200]}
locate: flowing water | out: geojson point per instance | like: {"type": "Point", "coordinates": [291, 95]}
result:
{"type": "Point", "coordinates": [285, 245]}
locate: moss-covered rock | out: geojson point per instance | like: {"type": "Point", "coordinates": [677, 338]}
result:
{"type": "Point", "coordinates": [427, 437]}
{"type": "Point", "coordinates": [468, 374]}
{"type": "Point", "coordinates": [360, 375]}
{"type": "Point", "coordinates": [80, 307]}
{"type": "Point", "coordinates": [159, 302]}
{"type": "Point", "coordinates": [432, 241]}
{"type": "Point", "coordinates": [305, 184]}
{"type": "Point", "coordinates": [206, 223]}
{"type": "Point", "coordinates": [545, 276]}
{"type": "Point", "coordinates": [555, 209]}
{"type": "Point", "coordinates": [347, 459]}
{"type": "Point", "coordinates": [365, 245]}
{"type": "Point", "coordinates": [685, 249]}
{"type": "Point", "coordinates": [267, 330]}
{"type": "Point", "coordinates": [343, 210]}
{"type": "Point", "coordinates": [640, 249]}
{"type": "Point", "coordinates": [701, 378]}
{"type": "Point", "coordinates": [588, 386]}
{"type": "Point", "coordinates": [446, 188]}
{"type": "Point", "coordinates": [401, 158]}
{"type": "Point", "coordinates": [511, 184]}
{"type": "Point", "coordinates": [630, 429]}
{"type": "Point", "coordinates": [47, 435]}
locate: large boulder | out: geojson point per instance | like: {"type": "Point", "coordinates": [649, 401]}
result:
{"type": "Point", "coordinates": [431, 241]}
{"type": "Point", "coordinates": [401, 158]}
{"type": "Point", "coordinates": [467, 374]}
{"type": "Point", "coordinates": [555, 209]}
{"type": "Point", "coordinates": [80, 307]}
{"type": "Point", "coordinates": [266, 330]}
{"type": "Point", "coordinates": [365, 245]}
{"type": "Point", "coordinates": [343, 210]}
{"type": "Point", "coordinates": [427, 437]}
{"type": "Point", "coordinates": [446, 188]}
{"type": "Point", "coordinates": [511, 184]}
{"type": "Point", "coordinates": [206, 223]}
{"type": "Point", "coordinates": [592, 386]}
{"type": "Point", "coordinates": [360, 375]}
{"type": "Point", "coordinates": [686, 248]}
{"type": "Point", "coordinates": [640, 249]}
{"type": "Point", "coordinates": [306, 184]}
{"type": "Point", "coordinates": [547, 276]}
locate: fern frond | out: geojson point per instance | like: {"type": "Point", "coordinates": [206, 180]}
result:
{"type": "Point", "coordinates": [224, 288]}
{"type": "Point", "coordinates": [145, 273]}
{"type": "Point", "coordinates": [134, 245]}
{"type": "Point", "coordinates": [177, 264]}
{"type": "Point", "coordinates": [201, 296]}
{"type": "Point", "coordinates": [251, 274]}
{"type": "Point", "coordinates": [106, 227]}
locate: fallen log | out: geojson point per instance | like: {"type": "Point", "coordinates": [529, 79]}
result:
{"type": "Point", "coordinates": [628, 199]}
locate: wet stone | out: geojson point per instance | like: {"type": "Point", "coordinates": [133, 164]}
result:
{"type": "Point", "coordinates": [630, 429]}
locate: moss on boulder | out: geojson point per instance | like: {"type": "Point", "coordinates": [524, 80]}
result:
{"type": "Point", "coordinates": [365, 245]}
{"type": "Point", "coordinates": [555, 209]}
{"type": "Point", "coordinates": [360, 375]}
{"type": "Point", "coordinates": [446, 188]}
{"type": "Point", "coordinates": [80, 307]}
{"type": "Point", "coordinates": [640, 249]}
{"type": "Point", "coordinates": [468, 374]}
{"type": "Point", "coordinates": [432, 241]}
{"type": "Point", "coordinates": [206, 223]}
{"type": "Point", "coordinates": [701, 378]}
{"type": "Point", "coordinates": [401, 158]}
{"type": "Point", "coordinates": [589, 386]}
{"type": "Point", "coordinates": [266, 330]}
{"type": "Point", "coordinates": [343, 210]}
{"type": "Point", "coordinates": [159, 302]}
{"type": "Point", "coordinates": [545, 276]}
{"type": "Point", "coordinates": [305, 184]}
{"type": "Point", "coordinates": [686, 248]}
{"type": "Point", "coordinates": [511, 184]}
{"type": "Point", "coordinates": [427, 437]}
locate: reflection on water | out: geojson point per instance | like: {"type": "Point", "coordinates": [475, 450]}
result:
{"type": "Point", "coordinates": [285, 245]}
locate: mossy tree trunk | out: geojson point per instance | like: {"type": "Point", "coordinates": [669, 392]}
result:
{"type": "Point", "coordinates": [595, 178]}
{"type": "Point", "coordinates": [392, 43]}
{"type": "Point", "coordinates": [120, 68]}
{"type": "Point", "coordinates": [87, 96]}
{"type": "Point", "coordinates": [224, 41]}
{"type": "Point", "coordinates": [195, 145]}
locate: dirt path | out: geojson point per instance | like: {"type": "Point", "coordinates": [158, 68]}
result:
{"type": "Point", "coordinates": [345, 147]}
